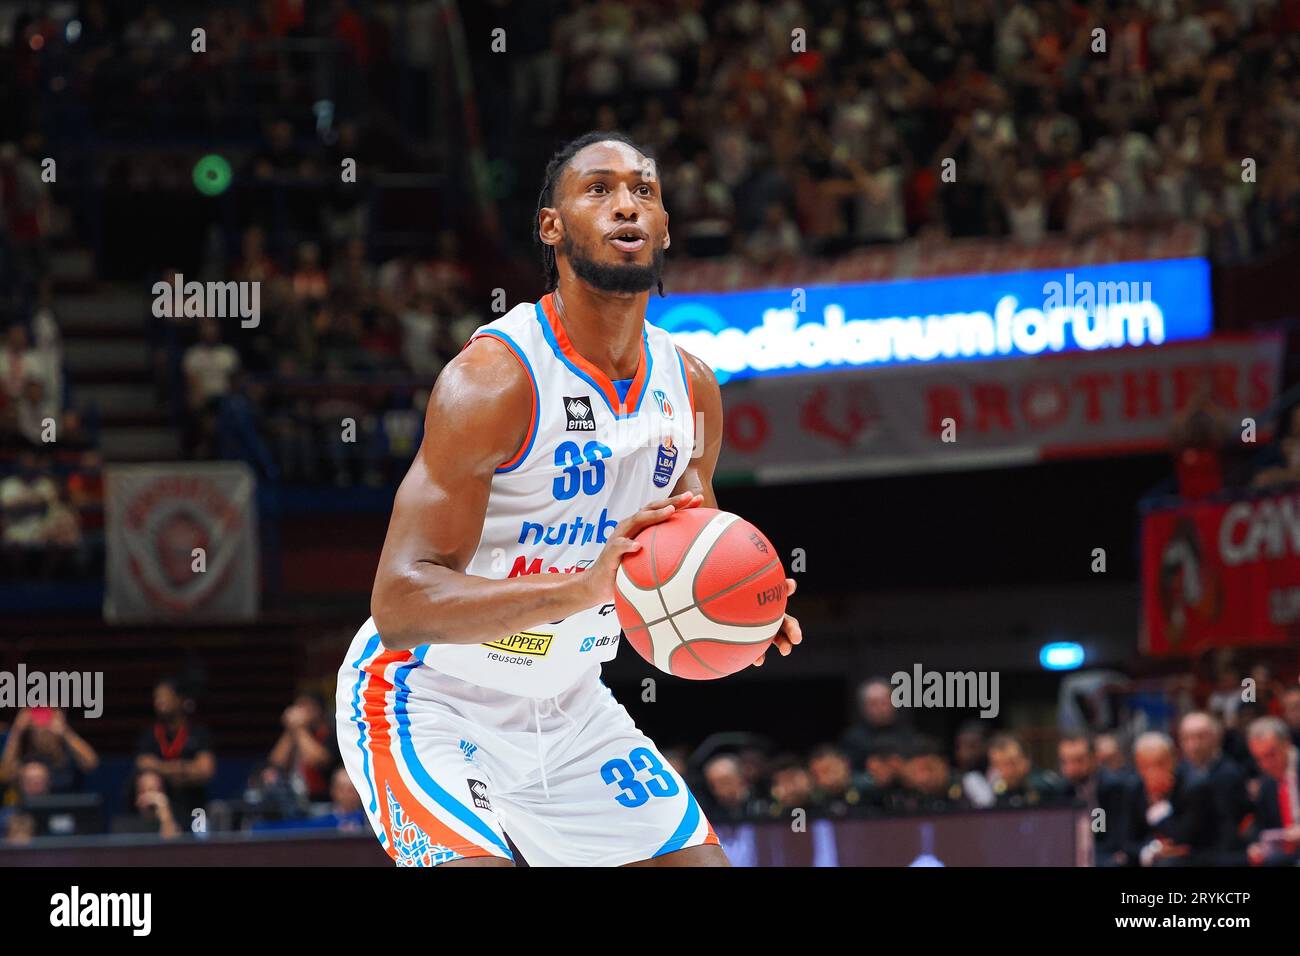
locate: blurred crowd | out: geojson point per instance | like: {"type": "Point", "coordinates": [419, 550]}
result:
{"type": "Point", "coordinates": [1217, 788]}
{"type": "Point", "coordinates": [801, 127]}
{"type": "Point", "coordinates": [337, 342]}
{"type": "Point", "coordinates": [1213, 452]}
{"type": "Point", "coordinates": [770, 153]}
{"type": "Point", "coordinates": [51, 495]}
{"type": "Point", "coordinates": [46, 780]}
{"type": "Point", "coordinates": [890, 120]}
{"type": "Point", "coordinates": [815, 126]}
{"type": "Point", "coordinates": [1209, 779]}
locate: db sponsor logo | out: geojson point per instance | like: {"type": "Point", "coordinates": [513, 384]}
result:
{"type": "Point", "coordinates": [588, 643]}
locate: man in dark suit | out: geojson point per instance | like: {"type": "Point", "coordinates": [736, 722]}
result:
{"type": "Point", "coordinates": [1016, 781]}
{"type": "Point", "coordinates": [881, 786]}
{"type": "Point", "coordinates": [1277, 798]}
{"type": "Point", "coordinates": [1200, 736]}
{"type": "Point", "coordinates": [877, 718]}
{"type": "Point", "coordinates": [929, 784]}
{"type": "Point", "coordinates": [1093, 787]}
{"type": "Point", "coordinates": [1173, 820]}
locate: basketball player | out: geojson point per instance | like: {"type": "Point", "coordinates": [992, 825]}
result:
{"type": "Point", "coordinates": [471, 704]}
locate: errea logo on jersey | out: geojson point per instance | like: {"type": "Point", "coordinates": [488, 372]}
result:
{"type": "Point", "coordinates": [577, 410]}
{"type": "Point", "coordinates": [665, 406]}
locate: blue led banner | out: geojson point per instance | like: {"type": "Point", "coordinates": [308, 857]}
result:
{"type": "Point", "coordinates": [782, 331]}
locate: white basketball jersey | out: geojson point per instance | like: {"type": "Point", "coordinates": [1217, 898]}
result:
{"type": "Point", "coordinates": [588, 461]}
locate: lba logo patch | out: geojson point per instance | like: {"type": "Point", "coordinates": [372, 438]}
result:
{"type": "Point", "coordinates": [665, 462]}
{"type": "Point", "coordinates": [478, 792]}
{"type": "Point", "coordinates": [665, 406]}
{"type": "Point", "coordinates": [578, 412]}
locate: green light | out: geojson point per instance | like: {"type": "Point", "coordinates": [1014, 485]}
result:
{"type": "Point", "coordinates": [212, 175]}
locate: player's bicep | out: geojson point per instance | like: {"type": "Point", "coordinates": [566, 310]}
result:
{"type": "Point", "coordinates": [478, 412]}
{"type": "Point", "coordinates": [707, 397]}
{"type": "Point", "coordinates": [437, 513]}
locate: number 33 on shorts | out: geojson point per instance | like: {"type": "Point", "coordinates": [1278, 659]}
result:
{"type": "Point", "coordinates": [633, 790]}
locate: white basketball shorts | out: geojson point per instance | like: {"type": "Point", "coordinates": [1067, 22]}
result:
{"type": "Point", "coordinates": [446, 768]}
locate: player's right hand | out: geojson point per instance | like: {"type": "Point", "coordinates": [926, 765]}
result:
{"type": "Point", "coordinates": [599, 578]}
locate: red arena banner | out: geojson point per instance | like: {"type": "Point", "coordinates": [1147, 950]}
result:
{"type": "Point", "coordinates": [1218, 574]}
{"type": "Point", "coordinates": [954, 415]}
{"type": "Point", "coordinates": [182, 542]}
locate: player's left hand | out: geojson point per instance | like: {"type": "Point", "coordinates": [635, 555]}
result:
{"type": "Point", "coordinates": [789, 633]}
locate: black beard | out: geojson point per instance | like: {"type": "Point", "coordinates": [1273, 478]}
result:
{"type": "Point", "coordinates": [629, 278]}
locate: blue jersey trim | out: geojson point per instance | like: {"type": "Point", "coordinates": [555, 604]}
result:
{"type": "Point", "coordinates": [421, 775]}
{"type": "Point", "coordinates": [371, 645]}
{"type": "Point", "coordinates": [513, 346]}
{"type": "Point", "coordinates": [559, 354]}
{"type": "Point", "coordinates": [690, 822]}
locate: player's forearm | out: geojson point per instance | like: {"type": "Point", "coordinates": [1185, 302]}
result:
{"type": "Point", "coordinates": [436, 605]}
